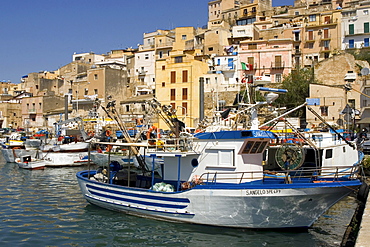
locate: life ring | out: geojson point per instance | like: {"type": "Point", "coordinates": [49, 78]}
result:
{"type": "Point", "coordinates": [108, 133]}
{"type": "Point", "coordinates": [150, 130]}
{"type": "Point", "coordinates": [109, 148]}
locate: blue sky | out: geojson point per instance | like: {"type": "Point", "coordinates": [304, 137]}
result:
{"type": "Point", "coordinates": [43, 34]}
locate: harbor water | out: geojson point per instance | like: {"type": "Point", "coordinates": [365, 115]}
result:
{"type": "Point", "coordinates": [46, 208]}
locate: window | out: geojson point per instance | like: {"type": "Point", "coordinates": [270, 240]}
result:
{"type": "Point", "coordinates": [184, 76]}
{"type": "Point", "coordinates": [163, 84]}
{"type": "Point", "coordinates": [326, 33]}
{"type": "Point", "coordinates": [183, 37]}
{"type": "Point", "coordinates": [40, 105]}
{"type": "Point", "coordinates": [324, 111]}
{"type": "Point", "coordinates": [312, 18]}
{"type": "Point", "coordinates": [310, 45]}
{"type": "Point", "coordinates": [210, 48]}
{"type": "Point", "coordinates": [252, 147]}
{"type": "Point", "coordinates": [184, 94]}
{"type": "Point", "coordinates": [95, 76]}
{"type": "Point", "coordinates": [127, 108]}
{"type": "Point", "coordinates": [230, 63]}
{"type": "Point", "coordinates": [351, 43]}
{"type": "Point", "coordinates": [329, 154]}
{"type": "Point", "coordinates": [352, 103]}
{"type": "Point", "coordinates": [296, 36]}
{"type": "Point", "coordinates": [178, 59]}
{"type": "Point", "coordinates": [310, 35]}
{"type": "Point", "coordinates": [351, 28]}
{"type": "Point", "coordinates": [366, 27]}
{"type": "Point", "coordinates": [173, 94]}
{"type": "Point", "coordinates": [278, 62]}
{"type": "Point", "coordinates": [160, 54]}
{"type": "Point", "coordinates": [278, 78]}
{"type": "Point", "coordinates": [326, 44]}
{"type": "Point", "coordinates": [95, 91]}
{"type": "Point", "coordinates": [184, 108]}
{"type": "Point", "coordinates": [146, 56]}
{"type": "Point", "coordinates": [173, 76]}
{"type": "Point", "coordinates": [163, 67]}
{"type": "Point", "coordinates": [296, 13]}
{"type": "Point", "coordinates": [252, 46]}
{"type": "Point", "coordinates": [366, 42]}
{"type": "Point", "coordinates": [173, 105]}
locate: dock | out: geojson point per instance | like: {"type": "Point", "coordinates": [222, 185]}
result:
{"type": "Point", "coordinates": [363, 238]}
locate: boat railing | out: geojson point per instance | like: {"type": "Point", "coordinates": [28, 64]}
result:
{"type": "Point", "coordinates": [312, 175]}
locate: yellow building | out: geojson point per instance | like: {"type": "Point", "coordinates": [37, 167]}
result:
{"type": "Point", "coordinates": [178, 76]}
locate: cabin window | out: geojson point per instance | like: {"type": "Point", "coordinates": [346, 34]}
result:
{"type": "Point", "coordinates": [224, 157]}
{"type": "Point", "coordinates": [329, 154]}
{"type": "Point", "coordinates": [194, 162]}
{"type": "Point", "coordinates": [253, 147]}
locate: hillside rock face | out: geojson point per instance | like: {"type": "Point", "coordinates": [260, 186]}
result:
{"type": "Point", "coordinates": [332, 71]}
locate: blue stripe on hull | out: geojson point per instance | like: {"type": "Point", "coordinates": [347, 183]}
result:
{"type": "Point", "coordinates": [128, 207]}
{"type": "Point", "coordinates": [151, 197]}
{"type": "Point", "coordinates": [144, 203]}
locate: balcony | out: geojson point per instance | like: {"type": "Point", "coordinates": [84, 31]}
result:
{"type": "Point", "coordinates": [33, 110]}
{"type": "Point", "coordinates": [278, 65]}
{"type": "Point", "coordinates": [355, 32]}
{"type": "Point", "coordinates": [225, 67]}
{"type": "Point", "coordinates": [310, 38]}
{"type": "Point", "coordinates": [141, 73]}
{"type": "Point", "coordinates": [164, 44]}
{"type": "Point", "coordinates": [325, 37]}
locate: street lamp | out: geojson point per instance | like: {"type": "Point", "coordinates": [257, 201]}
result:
{"type": "Point", "coordinates": [184, 110]}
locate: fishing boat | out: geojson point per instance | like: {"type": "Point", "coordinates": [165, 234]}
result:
{"type": "Point", "coordinates": [27, 162]}
{"type": "Point", "coordinates": [218, 178]}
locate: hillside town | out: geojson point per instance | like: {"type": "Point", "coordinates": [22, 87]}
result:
{"type": "Point", "coordinates": [198, 71]}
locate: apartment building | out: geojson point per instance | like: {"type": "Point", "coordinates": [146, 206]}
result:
{"type": "Point", "coordinates": [355, 27]}
{"type": "Point", "coordinates": [178, 76]}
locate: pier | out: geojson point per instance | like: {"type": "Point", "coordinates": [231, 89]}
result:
{"type": "Point", "coordinates": [363, 238]}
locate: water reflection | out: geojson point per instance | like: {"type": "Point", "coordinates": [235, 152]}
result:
{"type": "Point", "coordinates": [45, 207]}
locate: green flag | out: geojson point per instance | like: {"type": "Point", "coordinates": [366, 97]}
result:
{"type": "Point", "coordinates": [244, 66]}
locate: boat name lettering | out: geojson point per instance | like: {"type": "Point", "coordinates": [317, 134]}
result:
{"type": "Point", "coordinates": [262, 192]}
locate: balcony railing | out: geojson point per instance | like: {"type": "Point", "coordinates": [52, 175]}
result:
{"type": "Point", "coordinates": [355, 32]}
{"type": "Point", "coordinates": [278, 65]}
{"type": "Point", "coordinates": [310, 38]}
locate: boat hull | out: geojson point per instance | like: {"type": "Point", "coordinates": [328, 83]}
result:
{"type": "Point", "coordinates": [57, 159]}
{"type": "Point", "coordinates": [10, 155]}
{"type": "Point", "coordinates": [33, 165]}
{"type": "Point", "coordinates": [240, 206]}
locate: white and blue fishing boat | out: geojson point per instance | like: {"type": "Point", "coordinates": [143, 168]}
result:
{"type": "Point", "coordinates": [218, 179]}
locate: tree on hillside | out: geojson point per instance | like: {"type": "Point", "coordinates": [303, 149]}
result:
{"type": "Point", "coordinates": [297, 83]}
{"type": "Point", "coordinates": [362, 54]}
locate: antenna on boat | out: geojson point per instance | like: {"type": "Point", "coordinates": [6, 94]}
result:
{"type": "Point", "coordinates": [111, 111]}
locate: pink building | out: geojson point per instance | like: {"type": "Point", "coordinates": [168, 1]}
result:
{"type": "Point", "coordinates": [267, 61]}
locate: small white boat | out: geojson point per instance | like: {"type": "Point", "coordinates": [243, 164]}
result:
{"type": "Point", "coordinates": [72, 147]}
{"type": "Point", "coordinates": [27, 162]}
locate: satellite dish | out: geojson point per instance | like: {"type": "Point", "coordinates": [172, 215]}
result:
{"type": "Point", "coordinates": [365, 71]}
